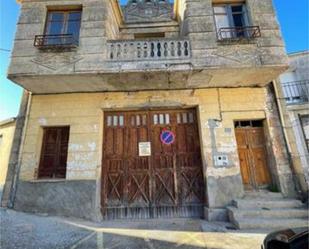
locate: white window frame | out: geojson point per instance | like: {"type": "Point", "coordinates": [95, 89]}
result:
{"type": "Point", "coordinates": [229, 13]}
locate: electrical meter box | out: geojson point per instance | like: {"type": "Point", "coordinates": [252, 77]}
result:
{"type": "Point", "coordinates": [221, 160]}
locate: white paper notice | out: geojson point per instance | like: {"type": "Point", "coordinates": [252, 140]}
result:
{"type": "Point", "coordinates": [144, 149]}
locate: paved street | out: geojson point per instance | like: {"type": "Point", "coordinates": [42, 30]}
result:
{"type": "Point", "coordinates": [26, 231]}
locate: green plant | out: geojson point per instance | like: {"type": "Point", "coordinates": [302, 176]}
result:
{"type": "Point", "coordinates": [273, 188]}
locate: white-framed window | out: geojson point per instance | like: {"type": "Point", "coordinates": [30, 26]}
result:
{"type": "Point", "coordinates": [230, 20]}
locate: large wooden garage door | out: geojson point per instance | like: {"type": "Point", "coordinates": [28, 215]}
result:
{"type": "Point", "coordinates": [167, 183]}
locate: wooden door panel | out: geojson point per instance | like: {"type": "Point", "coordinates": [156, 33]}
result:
{"type": "Point", "coordinates": [138, 189]}
{"type": "Point", "coordinates": [165, 189]}
{"type": "Point", "coordinates": [181, 142]}
{"type": "Point", "coordinates": [114, 189]}
{"type": "Point", "coordinates": [109, 139]}
{"type": "Point", "coordinates": [241, 138]}
{"type": "Point", "coordinates": [256, 141]}
{"type": "Point", "coordinates": [255, 138]}
{"type": "Point", "coordinates": [261, 171]}
{"type": "Point", "coordinates": [244, 166]}
{"type": "Point", "coordinates": [180, 162]}
{"type": "Point", "coordinates": [119, 141]}
{"type": "Point", "coordinates": [114, 183]}
{"type": "Point", "coordinates": [138, 168]}
{"type": "Point", "coordinates": [252, 156]}
{"type": "Point", "coordinates": [190, 191]}
{"type": "Point", "coordinates": [132, 142]}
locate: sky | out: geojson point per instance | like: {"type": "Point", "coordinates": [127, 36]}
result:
{"type": "Point", "coordinates": [293, 17]}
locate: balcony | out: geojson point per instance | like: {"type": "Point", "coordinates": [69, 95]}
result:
{"type": "Point", "coordinates": [296, 92]}
{"type": "Point", "coordinates": [239, 33]}
{"type": "Point", "coordinates": [149, 50]}
{"type": "Point", "coordinates": [61, 41]}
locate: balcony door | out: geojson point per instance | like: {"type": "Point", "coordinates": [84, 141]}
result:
{"type": "Point", "coordinates": [63, 27]}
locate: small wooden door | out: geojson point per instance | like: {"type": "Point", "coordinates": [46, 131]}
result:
{"type": "Point", "coordinates": [252, 156]}
{"type": "Point", "coordinates": [167, 183]}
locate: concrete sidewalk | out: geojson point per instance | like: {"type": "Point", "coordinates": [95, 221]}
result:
{"type": "Point", "coordinates": [26, 231]}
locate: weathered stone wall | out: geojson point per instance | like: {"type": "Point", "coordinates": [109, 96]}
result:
{"type": "Point", "coordinates": [198, 24]}
{"type": "Point", "coordinates": [62, 198]}
{"type": "Point", "coordinates": [97, 26]}
{"type": "Point", "coordinates": [299, 64]}
{"type": "Point", "coordinates": [243, 63]}
{"type": "Point", "coordinates": [217, 110]}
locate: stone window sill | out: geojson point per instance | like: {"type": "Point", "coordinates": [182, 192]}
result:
{"type": "Point", "coordinates": [49, 180]}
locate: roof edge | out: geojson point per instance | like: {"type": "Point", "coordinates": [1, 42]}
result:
{"type": "Point", "coordinates": [302, 52]}
{"type": "Point", "coordinates": [7, 121]}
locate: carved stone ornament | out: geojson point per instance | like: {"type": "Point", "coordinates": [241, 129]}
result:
{"type": "Point", "coordinates": [56, 61]}
{"type": "Point", "coordinates": [148, 11]}
{"type": "Point", "coordinates": [243, 55]}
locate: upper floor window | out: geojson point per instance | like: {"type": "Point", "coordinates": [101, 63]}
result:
{"type": "Point", "coordinates": [296, 92]}
{"type": "Point", "coordinates": [64, 23]}
{"type": "Point", "coordinates": [232, 22]}
{"type": "Point", "coordinates": [1, 139]}
{"type": "Point", "coordinates": [61, 30]}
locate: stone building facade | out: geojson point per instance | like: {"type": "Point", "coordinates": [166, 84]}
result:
{"type": "Point", "coordinates": [293, 94]}
{"type": "Point", "coordinates": [147, 110]}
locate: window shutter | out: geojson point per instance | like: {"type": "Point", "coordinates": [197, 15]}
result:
{"type": "Point", "coordinates": [54, 152]}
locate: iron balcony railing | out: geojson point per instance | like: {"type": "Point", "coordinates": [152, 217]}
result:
{"type": "Point", "coordinates": [238, 33]}
{"type": "Point", "coordinates": [55, 41]}
{"type": "Point", "coordinates": [138, 50]}
{"type": "Point", "coordinates": [296, 92]}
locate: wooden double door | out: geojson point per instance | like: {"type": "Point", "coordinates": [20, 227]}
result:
{"type": "Point", "coordinates": [253, 157]}
{"type": "Point", "coordinates": [168, 182]}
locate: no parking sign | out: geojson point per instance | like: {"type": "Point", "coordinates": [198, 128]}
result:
{"type": "Point", "coordinates": [167, 137]}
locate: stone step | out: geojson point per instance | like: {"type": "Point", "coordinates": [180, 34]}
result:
{"type": "Point", "coordinates": [270, 204]}
{"type": "Point", "coordinates": [275, 224]}
{"type": "Point", "coordinates": [236, 214]}
{"type": "Point", "coordinates": [263, 195]}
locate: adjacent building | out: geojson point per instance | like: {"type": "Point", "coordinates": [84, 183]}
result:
{"type": "Point", "coordinates": [294, 99]}
{"type": "Point", "coordinates": [148, 110]}
{"type": "Point", "coordinates": [7, 129]}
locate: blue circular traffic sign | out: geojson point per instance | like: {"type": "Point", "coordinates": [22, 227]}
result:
{"type": "Point", "coordinates": [167, 137]}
